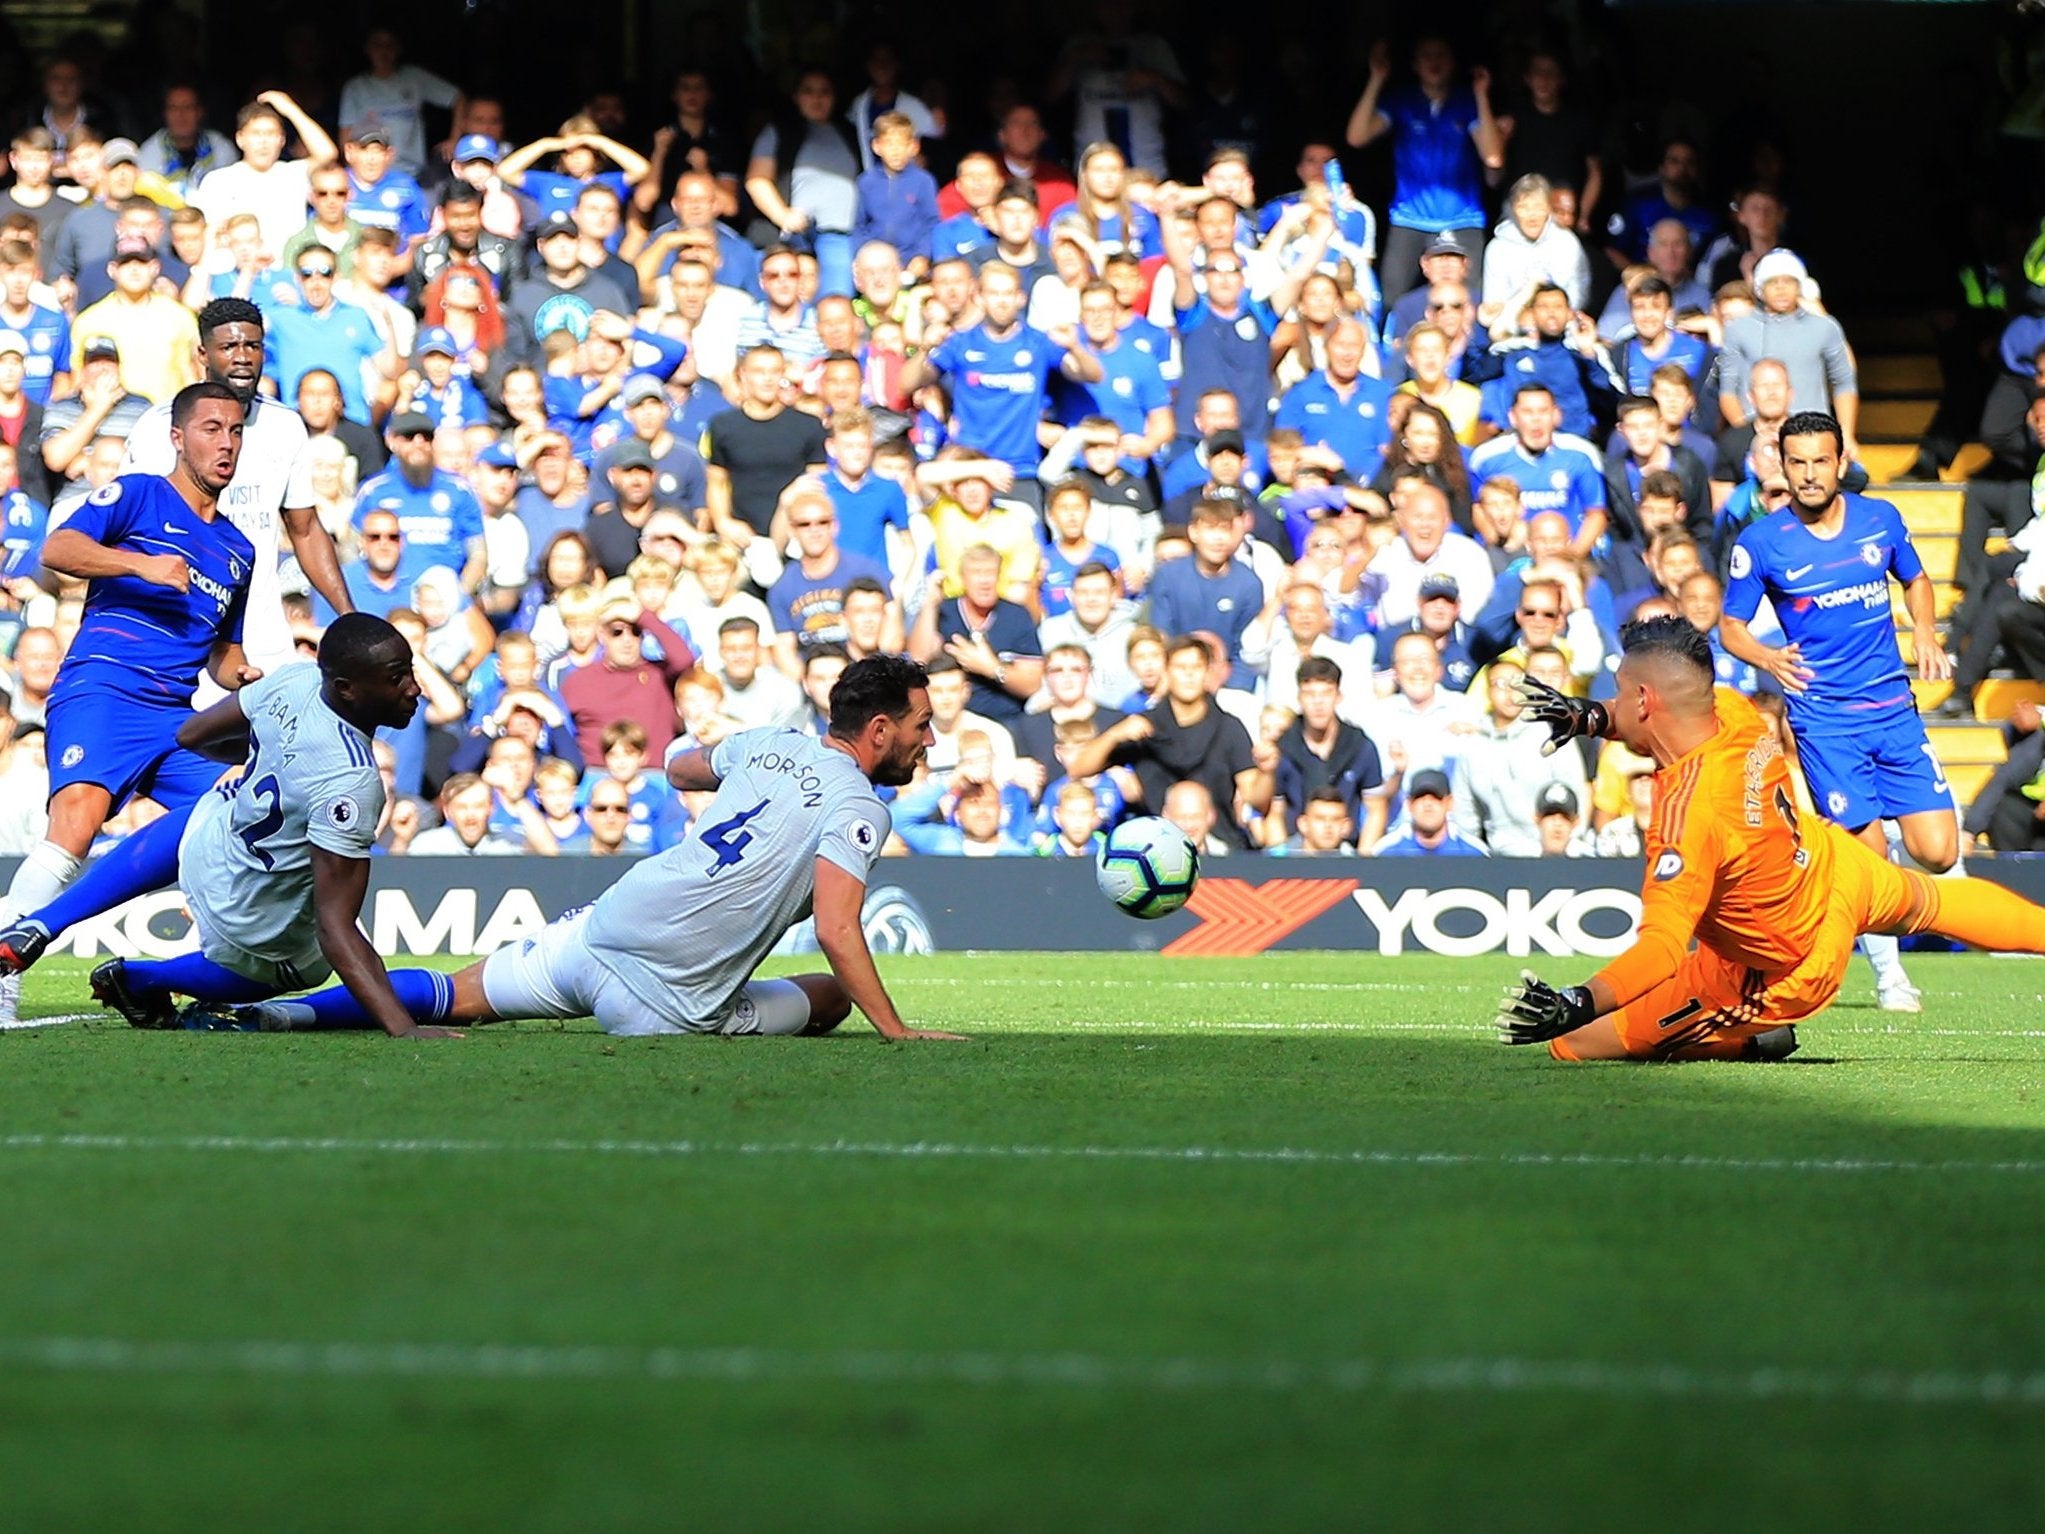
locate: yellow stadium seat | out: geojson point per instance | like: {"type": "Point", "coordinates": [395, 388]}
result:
{"type": "Point", "coordinates": [1927, 513]}
{"type": "Point", "coordinates": [1896, 420]}
{"type": "Point", "coordinates": [1969, 780]}
{"type": "Point", "coordinates": [1958, 744]}
{"type": "Point", "coordinates": [1886, 461]}
{"type": "Point", "coordinates": [1910, 373]}
{"type": "Point", "coordinates": [1970, 461]}
{"type": "Point", "coordinates": [1998, 696]}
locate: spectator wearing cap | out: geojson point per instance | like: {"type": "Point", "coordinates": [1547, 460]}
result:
{"type": "Point", "coordinates": [21, 418]}
{"type": "Point", "coordinates": [446, 397]}
{"type": "Point", "coordinates": [392, 96]}
{"type": "Point", "coordinates": [157, 337]}
{"type": "Point", "coordinates": [500, 212]}
{"type": "Point", "coordinates": [382, 194]}
{"type": "Point", "coordinates": [439, 514]}
{"type": "Point", "coordinates": [1321, 750]}
{"type": "Point", "coordinates": [1557, 819]}
{"type": "Point", "coordinates": [322, 332]}
{"type": "Point", "coordinates": [1809, 343]}
{"type": "Point", "coordinates": [82, 249]}
{"type": "Point", "coordinates": [1501, 778]}
{"type": "Point", "coordinates": [332, 226]}
{"type": "Point", "coordinates": [101, 409]}
{"type": "Point", "coordinates": [679, 477]}
{"type": "Point", "coordinates": [1429, 830]}
{"type": "Point", "coordinates": [1440, 618]}
{"type": "Point", "coordinates": [562, 294]}
{"type": "Point", "coordinates": [181, 153]}
{"type": "Point", "coordinates": [621, 683]}
{"type": "Point", "coordinates": [629, 497]}
{"type": "Point", "coordinates": [1444, 261]}
{"type": "Point", "coordinates": [1226, 460]}
{"type": "Point", "coordinates": [1341, 407]}
{"type": "Point", "coordinates": [508, 551]}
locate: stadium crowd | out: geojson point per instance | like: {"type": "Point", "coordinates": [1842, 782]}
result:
{"type": "Point", "coordinates": [1245, 505]}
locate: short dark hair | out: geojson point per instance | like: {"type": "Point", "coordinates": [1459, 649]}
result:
{"type": "Point", "coordinates": [817, 652]}
{"type": "Point", "coordinates": [1634, 403]}
{"type": "Point", "coordinates": [460, 191]}
{"type": "Point", "coordinates": [863, 584]}
{"type": "Point", "coordinates": [941, 664]}
{"type": "Point", "coordinates": [190, 396]}
{"type": "Point", "coordinates": [738, 625]}
{"type": "Point", "coordinates": [354, 641]}
{"type": "Point", "coordinates": [227, 311]}
{"type": "Point", "coordinates": [1672, 636]}
{"type": "Point", "coordinates": [1531, 388]}
{"type": "Point", "coordinates": [1328, 793]}
{"type": "Point", "coordinates": [1814, 423]}
{"type": "Point", "coordinates": [879, 684]}
{"type": "Point", "coordinates": [1662, 485]}
{"type": "Point", "coordinates": [1652, 287]}
{"type": "Point", "coordinates": [1544, 289]}
{"type": "Point", "coordinates": [1090, 568]}
{"type": "Point", "coordinates": [1015, 189]}
{"type": "Point", "coordinates": [1318, 668]}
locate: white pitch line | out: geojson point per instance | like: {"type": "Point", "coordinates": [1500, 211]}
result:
{"type": "Point", "coordinates": [52, 1022]}
{"type": "Point", "coordinates": [1068, 1371]}
{"type": "Point", "coordinates": [939, 1150]}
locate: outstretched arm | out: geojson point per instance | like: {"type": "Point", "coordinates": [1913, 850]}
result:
{"type": "Point", "coordinates": [842, 936]}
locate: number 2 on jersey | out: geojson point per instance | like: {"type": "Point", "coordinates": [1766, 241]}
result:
{"type": "Point", "coordinates": [271, 820]}
{"type": "Point", "coordinates": [730, 838]}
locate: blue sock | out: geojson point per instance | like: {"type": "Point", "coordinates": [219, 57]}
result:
{"type": "Point", "coordinates": [198, 977]}
{"type": "Point", "coordinates": [140, 865]}
{"type": "Point", "coordinates": [425, 993]}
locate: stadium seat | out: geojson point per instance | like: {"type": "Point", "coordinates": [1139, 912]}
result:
{"type": "Point", "coordinates": [1901, 373]}
{"type": "Point", "coordinates": [1896, 420]}
{"type": "Point", "coordinates": [1927, 513]}
{"type": "Point", "coordinates": [1964, 744]}
{"type": "Point", "coordinates": [1998, 696]}
{"type": "Point", "coordinates": [1969, 779]}
{"type": "Point", "coordinates": [1887, 461]}
{"type": "Point", "coordinates": [1972, 459]}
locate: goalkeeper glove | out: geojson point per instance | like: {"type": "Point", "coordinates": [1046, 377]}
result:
{"type": "Point", "coordinates": [1533, 1012]}
{"type": "Point", "coordinates": [1566, 717]}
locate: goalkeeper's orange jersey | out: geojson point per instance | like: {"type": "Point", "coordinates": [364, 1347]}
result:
{"type": "Point", "coordinates": [1728, 863]}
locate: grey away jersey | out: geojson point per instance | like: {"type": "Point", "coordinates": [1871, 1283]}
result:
{"type": "Point", "coordinates": [686, 929]}
{"type": "Point", "coordinates": [245, 862]}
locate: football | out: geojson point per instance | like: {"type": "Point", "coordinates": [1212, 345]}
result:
{"type": "Point", "coordinates": [1148, 867]}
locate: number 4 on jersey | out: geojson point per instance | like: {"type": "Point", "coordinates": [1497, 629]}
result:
{"type": "Point", "coordinates": [730, 838]}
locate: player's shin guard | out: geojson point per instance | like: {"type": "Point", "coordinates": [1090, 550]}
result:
{"type": "Point", "coordinates": [1984, 914]}
{"type": "Point", "coordinates": [140, 864]}
{"type": "Point", "coordinates": [425, 993]}
{"type": "Point", "coordinates": [197, 976]}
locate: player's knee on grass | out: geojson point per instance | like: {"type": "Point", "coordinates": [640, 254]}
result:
{"type": "Point", "coordinates": [828, 1004]}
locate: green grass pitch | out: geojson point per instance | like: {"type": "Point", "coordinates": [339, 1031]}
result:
{"type": "Point", "coordinates": [1274, 1244]}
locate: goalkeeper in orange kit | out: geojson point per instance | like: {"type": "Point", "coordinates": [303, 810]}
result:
{"type": "Point", "coordinates": [1772, 901]}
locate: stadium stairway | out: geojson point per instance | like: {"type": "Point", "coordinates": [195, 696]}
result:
{"type": "Point", "coordinates": [1900, 386]}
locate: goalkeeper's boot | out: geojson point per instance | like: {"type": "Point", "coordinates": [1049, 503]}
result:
{"type": "Point", "coordinates": [1775, 1044]}
{"type": "Point", "coordinates": [142, 1009]}
{"type": "Point", "coordinates": [22, 942]}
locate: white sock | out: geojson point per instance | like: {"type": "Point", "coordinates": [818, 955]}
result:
{"type": "Point", "coordinates": [41, 878]}
{"type": "Point", "coordinates": [1885, 954]}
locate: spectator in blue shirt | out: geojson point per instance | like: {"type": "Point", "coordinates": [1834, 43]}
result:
{"type": "Point", "coordinates": [1564, 356]}
{"type": "Point", "coordinates": [1212, 591]}
{"type": "Point", "coordinates": [439, 515]}
{"type": "Point", "coordinates": [998, 372]}
{"type": "Point", "coordinates": [1673, 194]}
{"type": "Point", "coordinates": [897, 197]}
{"type": "Point", "coordinates": [1132, 391]}
{"type": "Point", "coordinates": [1340, 408]}
{"type": "Point", "coordinates": [321, 332]}
{"type": "Point", "coordinates": [450, 400]}
{"type": "Point", "coordinates": [1655, 342]}
{"type": "Point", "coordinates": [1428, 831]}
{"type": "Point", "coordinates": [381, 195]}
{"type": "Point", "coordinates": [1444, 139]}
{"type": "Point", "coordinates": [868, 504]}
{"type": "Point", "coordinates": [579, 150]}
{"type": "Point", "coordinates": [1552, 476]}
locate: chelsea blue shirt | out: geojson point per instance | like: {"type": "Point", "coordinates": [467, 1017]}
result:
{"type": "Point", "coordinates": [865, 513]}
{"type": "Point", "coordinates": [1831, 596]}
{"type": "Point", "coordinates": [1558, 479]}
{"type": "Point", "coordinates": [1354, 428]}
{"type": "Point", "coordinates": [438, 519]}
{"type": "Point", "coordinates": [48, 334]}
{"type": "Point", "coordinates": [395, 202]}
{"type": "Point", "coordinates": [1438, 174]}
{"type": "Point", "coordinates": [1689, 351]}
{"type": "Point", "coordinates": [146, 641]}
{"type": "Point", "coordinates": [998, 390]}
{"type": "Point", "coordinates": [26, 523]}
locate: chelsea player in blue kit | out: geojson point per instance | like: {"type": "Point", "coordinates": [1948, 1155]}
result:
{"type": "Point", "coordinates": [168, 589]}
{"type": "Point", "coordinates": [1824, 563]}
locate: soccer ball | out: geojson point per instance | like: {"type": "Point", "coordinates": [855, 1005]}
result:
{"type": "Point", "coordinates": [1148, 867]}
